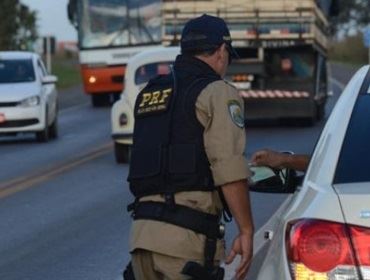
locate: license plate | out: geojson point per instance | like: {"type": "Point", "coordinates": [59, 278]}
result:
{"type": "Point", "coordinates": [2, 118]}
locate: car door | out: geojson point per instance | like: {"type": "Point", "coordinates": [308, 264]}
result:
{"type": "Point", "coordinates": [263, 237]}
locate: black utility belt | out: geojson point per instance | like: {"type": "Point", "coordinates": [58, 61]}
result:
{"type": "Point", "coordinates": [179, 215]}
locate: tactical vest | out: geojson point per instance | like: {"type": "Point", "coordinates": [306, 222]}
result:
{"type": "Point", "coordinates": [168, 154]}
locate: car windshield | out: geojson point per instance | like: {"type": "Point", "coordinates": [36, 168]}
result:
{"type": "Point", "coordinates": [355, 154]}
{"type": "Point", "coordinates": [148, 71]}
{"type": "Point", "coordinates": [16, 71]}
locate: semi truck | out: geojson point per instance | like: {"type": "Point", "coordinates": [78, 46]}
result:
{"type": "Point", "coordinates": [282, 72]}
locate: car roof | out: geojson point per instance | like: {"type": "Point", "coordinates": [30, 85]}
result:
{"type": "Point", "coordinates": [17, 55]}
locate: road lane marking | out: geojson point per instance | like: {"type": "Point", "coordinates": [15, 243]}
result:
{"type": "Point", "coordinates": [25, 182]}
{"type": "Point", "coordinates": [338, 84]}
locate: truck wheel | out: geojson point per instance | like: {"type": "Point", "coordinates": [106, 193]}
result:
{"type": "Point", "coordinates": [311, 120]}
{"type": "Point", "coordinates": [121, 152]}
{"type": "Point", "coordinates": [100, 100]}
{"type": "Point", "coordinates": [320, 111]}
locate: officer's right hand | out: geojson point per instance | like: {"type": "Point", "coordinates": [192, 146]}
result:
{"type": "Point", "coordinates": [242, 245]}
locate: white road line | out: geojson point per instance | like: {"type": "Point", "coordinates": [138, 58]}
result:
{"type": "Point", "coordinates": [338, 84]}
{"type": "Point", "coordinates": [258, 241]}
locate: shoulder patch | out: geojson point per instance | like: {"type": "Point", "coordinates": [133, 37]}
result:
{"type": "Point", "coordinates": [236, 113]}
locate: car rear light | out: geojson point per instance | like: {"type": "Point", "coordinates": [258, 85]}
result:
{"type": "Point", "coordinates": [361, 242]}
{"type": "Point", "coordinates": [323, 250]}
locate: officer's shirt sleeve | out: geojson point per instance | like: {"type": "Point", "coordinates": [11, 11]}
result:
{"type": "Point", "coordinates": [221, 111]}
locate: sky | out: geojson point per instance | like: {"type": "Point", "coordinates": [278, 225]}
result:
{"type": "Point", "coordinates": [52, 19]}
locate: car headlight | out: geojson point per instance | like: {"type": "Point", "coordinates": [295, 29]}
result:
{"type": "Point", "coordinates": [30, 101]}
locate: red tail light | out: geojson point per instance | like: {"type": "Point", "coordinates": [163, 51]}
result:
{"type": "Point", "coordinates": [361, 243]}
{"type": "Point", "coordinates": [322, 250]}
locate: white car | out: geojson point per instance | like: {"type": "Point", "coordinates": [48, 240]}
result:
{"type": "Point", "coordinates": [28, 96]}
{"type": "Point", "coordinates": [322, 231]}
{"type": "Point", "coordinates": [140, 69]}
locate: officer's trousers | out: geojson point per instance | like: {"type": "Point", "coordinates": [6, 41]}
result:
{"type": "Point", "coordinates": [148, 265]}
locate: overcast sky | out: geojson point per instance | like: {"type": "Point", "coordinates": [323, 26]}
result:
{"type": "Point", "coordinates": [52, 18]}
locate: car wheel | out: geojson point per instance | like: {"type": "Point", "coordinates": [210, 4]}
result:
{"type": "Point", "coordinates": [43, 135]}
{"type": "Point", "coordinates": [53, 129]}
{"type": "Point", "coordinates": [122, 153]}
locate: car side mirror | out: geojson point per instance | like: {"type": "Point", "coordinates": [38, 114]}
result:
{"type": "Point", "coordinates": [268, 180]}
{"type": "Point", "coordinates": [50, 79]}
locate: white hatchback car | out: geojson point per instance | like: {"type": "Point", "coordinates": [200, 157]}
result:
{"type": "Point", "coordinates": [140, 69]}
{"type": "Point", "coordinates": [322, 231]}
{"type": "Point", "coordinates": [28, 96]}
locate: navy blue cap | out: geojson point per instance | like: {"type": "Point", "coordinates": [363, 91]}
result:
{"type": "Point", "coordinates": [206, 33]}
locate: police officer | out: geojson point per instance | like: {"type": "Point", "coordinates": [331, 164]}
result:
{"type": "Point", "coordinates": [187, 158]}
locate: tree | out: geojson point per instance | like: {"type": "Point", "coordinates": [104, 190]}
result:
{"type": "Point", "coordinates": [17, 25]}
{"type": "Point", "coordinates": [353, 15]}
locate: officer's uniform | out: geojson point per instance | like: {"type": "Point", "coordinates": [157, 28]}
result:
{"type": "Point", "coordinates": [211, 112]}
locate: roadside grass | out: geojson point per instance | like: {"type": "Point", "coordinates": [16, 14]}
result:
{"type": "Point", "coordinates": [67, 69]}
{"type": "Point", "coordinates": [350, 51]}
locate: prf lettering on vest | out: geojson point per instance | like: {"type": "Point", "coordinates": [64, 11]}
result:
{"type": "Point", "coordinates": [154, 101]}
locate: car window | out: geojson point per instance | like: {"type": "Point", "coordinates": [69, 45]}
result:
{"type": "Point", "coordinates": [148, 71]}
{"type": "Point", "coordinates": [353, 161]}
{"type": "Point", "coordinates": [16, 71]}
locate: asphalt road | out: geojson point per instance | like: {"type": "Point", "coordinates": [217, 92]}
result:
{"type": "Point", "coordinates": [62, 203]}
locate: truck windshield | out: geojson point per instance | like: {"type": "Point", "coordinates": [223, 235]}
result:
{"type": "Point", "coordinates": [111, 23]}
{"type": "Point", "coordinates": [16, 71]}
